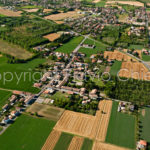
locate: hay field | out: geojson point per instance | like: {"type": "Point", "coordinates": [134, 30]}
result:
{"type": "Point", "coordinates": [52, 37]}
{"type": "Point", "coordinates": [51, 140]}
{"type": "Point", "coordinates": [49, 112]}
{"type": "Point", "coordinates": [62, 16]}
{"type": "Point", "coordinates": [103, 146]}
{"type": "Point", "coordinates": [103, 120]}
{"type": "Point", "coordinates": [31, 10]}
{"type": "Point", "coordinates": [47, 10]}
{"type": "Point", "coordinates": [134, 3]}
{"type": "Point", "coordinates": [116, 55]}
{"type": "Point", "coordinates": [134, 70]}
{"type": "Point", "coordinates": [10, 13]}
{"type": "Point", "coordinates": [85, 125]}
{"type": "Point", "coordinates": [76, 143]}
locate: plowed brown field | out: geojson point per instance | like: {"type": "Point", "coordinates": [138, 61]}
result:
{"type": "Point", "coordinates": [85, 125]}
{"type": "Point", "coordinates": [76, 143]}
{"type": "Point", "coordinates": [51, 140]}
{"type": "Point", "coordinates": [104, 146]}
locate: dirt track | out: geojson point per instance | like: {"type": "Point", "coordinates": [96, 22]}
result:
{"type": "Point", "coordinates": [104, 146]}
{"type": "Point", "coordinates": [51, 140]}
{"type": "Point", "coordinates": [86, 125]}
{"type": "Point", "coordinates": [76, 143]}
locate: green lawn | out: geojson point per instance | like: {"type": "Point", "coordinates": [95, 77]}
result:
{"type": "Point", "coordinates": [4, 96]}
{"type": "Point", "coordinates": [88, 51]}
{"type": "Point", "coordinates": [59, 95]}
{"type": "Point", "coordinates": [63, 142]}
{"type": "Point", "coordinates": [121, 129]}
{"type": "Point", "coordinates": [145, 125]}
{"type": "Point", "coordinates": [70, 46]}
{"type": "Point", "coordinates": [115, 68]}
{"type": "Point", "coordinates": [87, 144]}
{"type": "Point", "coordinates": [27, 133]}
{"type": "Point", "coordinates": [24, 71]}
{"type": "Point", "coordinates": [145, 57]}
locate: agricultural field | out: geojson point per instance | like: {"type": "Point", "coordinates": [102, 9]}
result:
{"type": "Point", "coordinates": [63, 142]}
{"type": "Point", "coordinates": [4, 96]}
{"type": "Point", "coordinates": [46, 111]}
{"type": "Point", "coordinates": [21, 133]}
{"type": "Point", "coordinates": [52, 37]}
{"type": "Point", "coordinates": [87, 144]}
{"type": "Point", "coordinates": [14, 50]}
{"type": "Point", "coordinates": [88, 51]}
{"type": "Point", "coordinates": [115, 68]}
{"type": "Point", "coordinates": [116, 55]}
{"type": "Point", "coordinates": [145, 57]}
{"type": "Point", "coordinates": [10, 13]}
{"type": "Point", "coordinates": [135, 70]}
{"type": "Point", "coordinates": [134, 3]}
{"type": "Point", "coordinates": [24, 71]}
{"type": "Point", "coordinates": [51, 140]}
{"type": "Point", "coordinates": [86, 125]}
{"type": "Point", "coordinates": [121, 129]}
{"type": "Point", "coordinates": [145, 124]}
{"type": "Point", "coordinates": [136, 47]}
{"type": "Point", "coordinates": [62, 16]}
{"type": "Point", "coordinates": [29, 32]}
{"type": "Point", "coordinates": [76, 143]}
{"type": "Point", "coordinates": [71, 45]}
{"type": "Point", "coordinates": [103, 146]}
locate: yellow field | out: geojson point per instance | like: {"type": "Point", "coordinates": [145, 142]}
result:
{"type": "Point", "coordinates": [62, 16]}
{"type": "Point", "coordinates": [93, 127]}
{"type": "Point", "coordinates": [76, 143]}
{"type": "Point", "coordinates": [51, 140]}
{"type": "Point", "coordinates": [52, 37]}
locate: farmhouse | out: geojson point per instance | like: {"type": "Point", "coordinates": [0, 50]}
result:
{"type": "Point", "coordinates": [29, 100]}
{"type": "Point", "coordinates": [141, 145]}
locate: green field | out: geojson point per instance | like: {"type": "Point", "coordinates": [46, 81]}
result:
{"type": "Point", "coordinates": [14, 50]}
{"type": "Point", "coordinates": [31, 7]}
{"type": "Point", "coordinates": [63, 142]}
{"type": "Point", "coordinates": [24, 71]}
{"type": "Point", "coordinates": [145, 125]}
{"type": "Point", "coordinates": [136, 47]}
{"type": "Point", "coordinates": [88, 51]}
{"type": "Point", "coordinates": [115, 68]}
{"type": "Point", "coordinates": [87, 144]}
{"type": "Point", "coordinates": [4, 96]}
{"type": "Point", "coordinates": [121, 129]}
{"type": "Point", "coordinates": [70, 46]}
{"type": "Point", "coordinates": [145, 57]}
{"type": "Point", "coordinates": [101, 3]}
{"type": "Point", "coordinates": [26, 133]}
